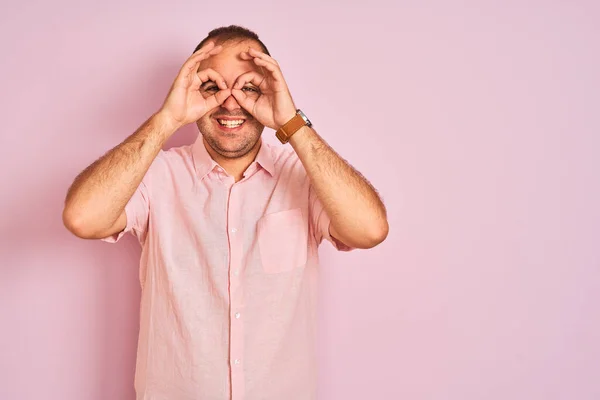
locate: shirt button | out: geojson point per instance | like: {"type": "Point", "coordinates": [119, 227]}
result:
{"type": "Point", "coordinates": [233, 230]}
{"type": "Point", "coordinates": [236, 272]}
{"type": "Point", "coordinates": [237, 361]}
{"type": "Point", "coordinates": [238, 315]}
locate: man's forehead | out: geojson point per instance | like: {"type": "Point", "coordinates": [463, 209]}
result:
{"type": "Point", "coordinates": [229, 61]}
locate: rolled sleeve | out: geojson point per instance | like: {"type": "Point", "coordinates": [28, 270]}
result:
{"type": "Point", "coordinates": [137, 212]}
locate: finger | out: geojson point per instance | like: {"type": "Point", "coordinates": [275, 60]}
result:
{"type": "Point", "coordinates": [198, 56]}
{"type": "Point", "coordinates": [273, 69]}
{"type": "Point", "coordinates": [210, 74]}
{"type": "Point", "coordinates": [245, 56]}
{"type": "Point", "coordinates": [263, 56]}
{"type": "Point", "coordinates": [263, 60]}
{"type": "Point", "coordinates": [201, 55]}
{"type": "Point", "coordinates": [207, 46]}
{"type": "Point", "coordinates": [246, 102]}
{"type": "Point", "coordinates": [193, 62]}
{"type": "Point", "coordinates": [249, 77]}
{"type": "Point", "coordinates": [217, 99]}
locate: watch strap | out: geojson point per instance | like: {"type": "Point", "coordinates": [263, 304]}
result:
{"type": "Point", "coordinates": [289, 128]}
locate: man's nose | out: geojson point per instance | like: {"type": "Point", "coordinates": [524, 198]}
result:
{"type": "Point", "coordinates": [231, 104]}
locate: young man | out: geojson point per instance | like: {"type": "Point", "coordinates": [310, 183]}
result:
{"type": "Point", "coordinates": [229, 228]}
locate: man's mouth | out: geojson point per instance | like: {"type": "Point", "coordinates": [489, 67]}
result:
{"type": "Point", "coordinates": [231, 123]}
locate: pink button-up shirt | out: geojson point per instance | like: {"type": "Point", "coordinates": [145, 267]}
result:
{"type": "Point", "coordinates": [229, 275]}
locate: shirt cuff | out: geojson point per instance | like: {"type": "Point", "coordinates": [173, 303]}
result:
{"type": "Point", "coordinates": [117, 236]}
{"type": "Point", "coordinates": [325, 226]}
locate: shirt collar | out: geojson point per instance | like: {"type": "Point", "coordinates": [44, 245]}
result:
{"type": "Point", "coordinates": [204, 163]}
{"type": "Point", "coordinates": [265, 157]}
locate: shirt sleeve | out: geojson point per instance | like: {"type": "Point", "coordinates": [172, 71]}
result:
{"type": "Point", "coordinates": [321, 223]}
{"type": "Point", "coordinates": [137, 211]}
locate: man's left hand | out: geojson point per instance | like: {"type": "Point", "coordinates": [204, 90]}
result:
{"type": "Point", "coordinates": [265, 96]}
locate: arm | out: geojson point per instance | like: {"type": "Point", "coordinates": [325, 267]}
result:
{"type": "Point", "coordinates": [358, 216]}
{"type": "Point", "coordinates": [95, 202]}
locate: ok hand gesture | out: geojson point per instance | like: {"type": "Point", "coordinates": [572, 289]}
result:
{"type": "Point", "coordinates": [185, 103]}
{"type": "Point", "coordinates": [265, 96]}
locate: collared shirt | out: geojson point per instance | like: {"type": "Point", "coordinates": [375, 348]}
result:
{"type": "Point", "coordinates": [228, 272]}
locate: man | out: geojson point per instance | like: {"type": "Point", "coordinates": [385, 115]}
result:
{"type": "Point", "coordinates": [229, 228]}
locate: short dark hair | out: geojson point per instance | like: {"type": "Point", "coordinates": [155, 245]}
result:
{"type": "Point", "coordinates": [231, 33]}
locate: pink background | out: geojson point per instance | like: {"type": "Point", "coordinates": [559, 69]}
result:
{"type": "Point", "coordinates": [477, 121]}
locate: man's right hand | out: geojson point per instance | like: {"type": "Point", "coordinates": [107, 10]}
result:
{"type": "Point", "coordinates": [95, 203]}
{"type": "Point", "coordinates": [185, 103]}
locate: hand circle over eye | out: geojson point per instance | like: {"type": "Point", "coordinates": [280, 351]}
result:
{"type": "Point", "coordinates": [185, 103]}
{"type": "Point", "coordinates": [272, 104]}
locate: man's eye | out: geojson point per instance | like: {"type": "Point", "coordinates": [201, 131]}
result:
{"type": "Point", "coordinates": [250, 89]}
{"type": "Point", "coordinates": [213, 88]}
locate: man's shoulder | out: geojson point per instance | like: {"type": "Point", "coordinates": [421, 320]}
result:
{"type": "Point", "coordinates": [282, 154]}
{"type": "Point", "coordinates": [174, 156]}
{"type": "Point", "coordinates": [287, 164]}
{"type": "Point", "coordinates": [175, 153]}
{"type": "Point", "coordinates": [171, 159]}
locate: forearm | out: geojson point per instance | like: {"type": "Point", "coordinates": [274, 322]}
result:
{"type": "Point", "coordinates": [358, 216]}
{"type": "Point", "coordinates": [100, 193]}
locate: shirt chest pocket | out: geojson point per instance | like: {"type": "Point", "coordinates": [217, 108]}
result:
{"type": "Point", "coordinates": [282, 241]}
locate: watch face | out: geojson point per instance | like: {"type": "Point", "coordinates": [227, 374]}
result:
{"type": "Point", "coordinates": [305, 118]}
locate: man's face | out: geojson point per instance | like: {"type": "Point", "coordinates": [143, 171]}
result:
{"type": "Point", "coordinates": [220, 126]}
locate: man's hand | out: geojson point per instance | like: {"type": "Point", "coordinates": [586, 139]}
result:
{"type": "Point", "coordinates": [184, 103]}
{"type": "Point", "coordinates": [265, 96]}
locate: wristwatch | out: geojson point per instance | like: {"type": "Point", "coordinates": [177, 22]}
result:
{"type": "Point", "coordinates": [292, 126]}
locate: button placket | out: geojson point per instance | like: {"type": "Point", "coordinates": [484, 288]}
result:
{"type": "Point", "coordinates": [236, 295]}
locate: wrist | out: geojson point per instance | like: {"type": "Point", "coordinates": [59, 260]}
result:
{"type": "Point", "coordinates": [288, 117]}
{"type": "Point", "coordinates": [298, 121]}
{"type": "Point", "coordinates": [168, 125]}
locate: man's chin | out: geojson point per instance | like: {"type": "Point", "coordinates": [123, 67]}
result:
{"type": "Point", "coordinates": [230, 147]}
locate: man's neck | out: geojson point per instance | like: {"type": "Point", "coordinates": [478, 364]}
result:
{"type": "Point", "coordinates": [234, 166]}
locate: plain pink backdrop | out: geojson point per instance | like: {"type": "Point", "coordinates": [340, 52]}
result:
{"type": "Point", "coordinates": [477, 121]}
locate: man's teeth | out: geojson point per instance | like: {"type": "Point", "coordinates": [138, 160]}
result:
{"type": "Point", "coordinates": [231, 123]}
